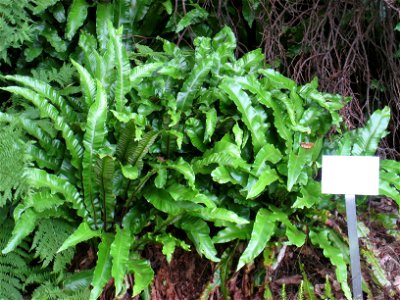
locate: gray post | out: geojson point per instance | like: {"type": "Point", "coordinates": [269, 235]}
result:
{"type": "Point", "coordinates": [354, 249]}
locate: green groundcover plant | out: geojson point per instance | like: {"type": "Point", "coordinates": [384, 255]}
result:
{"type": "Point", "coordinates": [182, 147]}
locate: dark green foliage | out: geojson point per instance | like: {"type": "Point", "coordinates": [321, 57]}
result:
{"type": "Point", "coordinates": [12, 161]}
{"type": "Point", "coordinates": [198, 141]}
{"type": "Point", "coordinates": [48, 238]}
{"type": "Point", "coordinates": [14, 267]}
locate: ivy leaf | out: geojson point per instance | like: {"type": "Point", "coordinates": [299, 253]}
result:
{"type": "Point", "coordinates": [263, 229]}
{"type": "Point", "coordinates": [81, 234]}
{"type": "Point", "coordinates": [76, 16]}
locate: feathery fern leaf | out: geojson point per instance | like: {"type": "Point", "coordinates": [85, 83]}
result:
{"type": "Point", "coordinates": [49, 236]}
{"type": "Point", "coordinates": [12, 164]}
{"type": "Point", "coordinates": [14, 267]}
{"type": "Point", "coordinates": [48, 110]}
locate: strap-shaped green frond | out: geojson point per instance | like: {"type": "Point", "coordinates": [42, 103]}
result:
{"type": "Point", "coordinates": [122, 85]}
{"type": "Point", "coordinates": [120, 256]}
{"type": "Point", "coordinates": [105, 175]}
{"type": "Point", "coordinates": [41, 179]}
{"type": "Point", "coordinates": [102, 271]}
{"type": "Point", "coordinates": [48, 110]}
{"type": "Point", "coordinates": [199, 233]}
{"type": "Point", "coordinates": [48, 92]}
{"type": "Point", "coordinates": [135, 156]}
{"type": "Point", "coordinates": [93, 141]}
{"type": "Point", "coordinates": [76, 17]}
{"type": "Point", "coordinates": [88, 84]}
{"type": "Point", "coordinates": [368, 137]}
{"type": "Point", "coordinates": [254, 119]}
{"type": "Point", "coordinates": [335, 254]}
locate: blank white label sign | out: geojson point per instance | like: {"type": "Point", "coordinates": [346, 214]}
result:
{"type": "Point", "coordinates": [351, 175]}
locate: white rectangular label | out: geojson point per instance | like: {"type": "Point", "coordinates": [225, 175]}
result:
{"type": "Point", "coordinates": [353, 175]}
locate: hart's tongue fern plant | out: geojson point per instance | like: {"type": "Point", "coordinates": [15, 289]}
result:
{"type": "Point", "coordinates": [185, 139]}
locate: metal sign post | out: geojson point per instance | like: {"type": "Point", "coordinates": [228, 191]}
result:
{"type": "Point", "coordinates": [351, 175]}
{"type": "Point", "coordinates": [353, 244]}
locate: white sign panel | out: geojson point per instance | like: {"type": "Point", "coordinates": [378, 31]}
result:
{"type": "Point", "coordinates": [351, 175]}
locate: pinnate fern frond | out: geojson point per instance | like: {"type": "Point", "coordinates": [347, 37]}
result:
{"type": "Point", "coordinates": [49, 236]}
{"type": "Point", "coordinates": [14, 267]}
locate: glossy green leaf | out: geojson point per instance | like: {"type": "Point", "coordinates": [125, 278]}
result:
{"type": "Point", "coordinates": [184, 168]}
{"type": "Point", "coordinates": [310, 195]}
{"type": "Point", "coordinates": [143, 272]}
{"type": "Point", "coordinates": [41, 179]}
{"type": "Point", "coordinates": [335, 255]}
{"type": "Point", "coordinates": [46, 91]}
{"type": "Point", "coordinates": [130, 172]}
{"type": "Point", "coordinates": [169, 243]}
{"type": "Point", "coordinates": [368, 137]}
{"type": "Point", "coordinates": [211, 123]}
{"type": "Point", "coordinates": [42, 201]}
{"type": "Point", "coordinates": [161, 178]}
{"type": "Point", "coordinates": [267, 177]}
{"type": "Point", "coordinates": [263, 229]}
{"type": "Point", "coordinates": [48, 110]}
{"type": "Point", "coordinates": [220, 214]}
{"type": "Point", "coordinates": [88, 84]}
{"type": "Point", "coordinates": [233, 232]}
{"type": "Point", "coordinates": [162, 200]}
{"type": "Point", "coordinates": [296, 164]}
{"type": "Point", "coordinates": [54, 39]}
{"type": "Point", "coordinates": [191, 86]}
{"type": "Point", "coordinates": [93, 140]}
{"type": "Point", "coordinates": [199, 233]}
{"type": "Point", "coordinates": [194, 16]}
{"type": "Point", "coordinates": [105, 168]}
{"type": "Point", "coordinates": [122, 85]}
{"type": "Point", "coordinates": [76, 17]}
{"type": "Point", "coordinates": [82, 233]}
{"type": "Point", "coordinates": [252, 118]}
{"type": "Point", "coordinates": [24, 225]}
{"type": "Point", "coordinates": [104, 15]}
{"type": "Point", "coordinates": [102, 271]}
{"type": "Point", "coordinates": [120, 257]}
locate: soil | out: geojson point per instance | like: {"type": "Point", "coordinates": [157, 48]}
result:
{"type": "Point", "coordinates": [188, 276]}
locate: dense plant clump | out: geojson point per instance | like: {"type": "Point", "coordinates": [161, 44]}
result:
{"type": "Point", "coordinates": [122, 146]}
